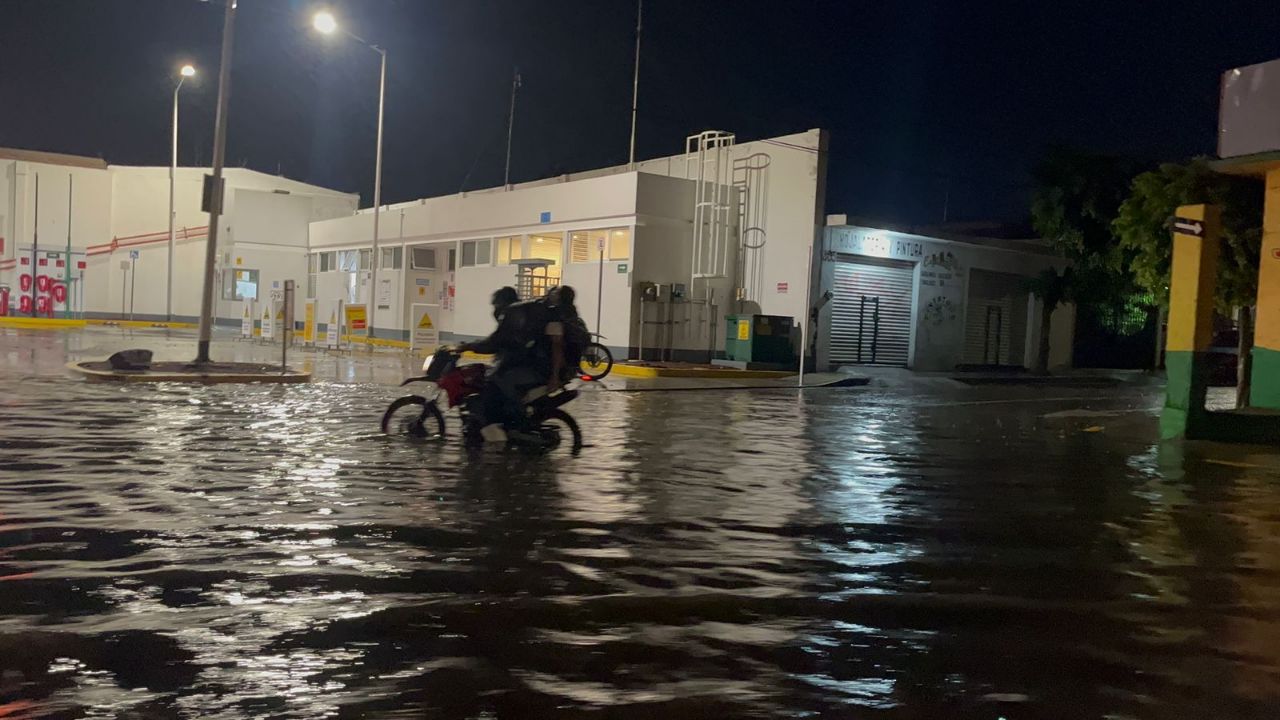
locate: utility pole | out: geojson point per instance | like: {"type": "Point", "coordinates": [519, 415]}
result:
{"type": "Point", "coordinates": [635, 86]}
{"type": "Point", "coordinates": [511, 123]}
{"type": "Point", "coordinates": [215, 196]}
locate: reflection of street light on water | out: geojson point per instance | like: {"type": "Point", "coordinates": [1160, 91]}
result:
{"type": "Point", "coordinates": [324, 22]}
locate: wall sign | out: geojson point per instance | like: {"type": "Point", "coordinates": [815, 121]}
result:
{"type": "Point", "coordinates": [782, 288]}
{"type": "Point", "coordinates": [622, 268]}
{"type": "Point", "coordinates": [544, 217]}
{"type": "Point", "coordinates": [877, 243]}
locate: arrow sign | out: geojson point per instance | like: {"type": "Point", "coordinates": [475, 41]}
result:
{"type": "Point", "coordinates": [1188, 227]}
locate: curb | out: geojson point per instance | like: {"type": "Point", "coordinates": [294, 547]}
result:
{"type": "Point", "coordinates": [292, 376]}
{"type": "Point", "coordinates": [646, 371]}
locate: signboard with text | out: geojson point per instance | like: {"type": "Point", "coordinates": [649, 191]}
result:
{"type": "Point", "coordinates": [357, 318]}
{"type": "Point", "coordinates": [425, 332]}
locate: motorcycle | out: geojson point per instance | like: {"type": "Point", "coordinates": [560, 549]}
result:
{"type": "Point", "coordinates": [458, 386]}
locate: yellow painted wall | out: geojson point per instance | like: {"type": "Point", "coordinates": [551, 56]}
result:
{"type": "Point", "coordinates": [1267, 334]}
{"type": "Point", "coordinates": [1193, 278]}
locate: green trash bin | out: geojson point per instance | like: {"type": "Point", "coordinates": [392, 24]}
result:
{"type": "Point", "coordinates": [758, 338]}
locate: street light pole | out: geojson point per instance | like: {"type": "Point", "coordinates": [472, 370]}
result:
{"type": "Point", "coordinates": [327, 24]}
{"type": "Point", "coordinates": [186, 72]}
{"type": "Point", "coordinates": [215, 201]}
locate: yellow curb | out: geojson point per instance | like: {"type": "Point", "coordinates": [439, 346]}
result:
{"type": "Point", "coordinates": [141, 323]}
{"type": "Point", "coordinates": [293, 376]}
{"type": "Point", "coordinates": [648, 371]}
{"type": "Point", "coordinates": [41, 323]}
{"type": "Point", "coordinates": [381, 342]}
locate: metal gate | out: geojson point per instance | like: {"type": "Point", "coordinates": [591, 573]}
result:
{"type": "Point", "coordinates": [871, 312]}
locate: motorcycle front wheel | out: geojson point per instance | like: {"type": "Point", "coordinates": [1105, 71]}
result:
{"type": "Point", "coordinates": [415, 416]}
{"type": "Point", "coordinates": [552, 433]}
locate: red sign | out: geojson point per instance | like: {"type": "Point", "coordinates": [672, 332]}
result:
{"type": "Point", "coordinates": [59, 292]}
{"type": "Point", "coordinates": [24, 304]}
{"type": "Point", "coordinates": [26, 261]}
{"type": "Point", "coordinates": [80, 264]}
{"type": "Point", "coordinates": [782, 288]}
{"type": "Point", "coordinates": [24, 282]}
{"type": "Point", "coordinates": [42, 283]}
{"type": "Point", "coordinates": [44, 261]}
{"type": "Point", "coordinates": [59, 263]}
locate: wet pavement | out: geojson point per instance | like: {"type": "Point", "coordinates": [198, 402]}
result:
{"type": "Point", "coordinates": [915, 551]}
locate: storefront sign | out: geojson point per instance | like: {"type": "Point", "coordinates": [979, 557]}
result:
{"type": "Point", "coordinates": [881, 244]}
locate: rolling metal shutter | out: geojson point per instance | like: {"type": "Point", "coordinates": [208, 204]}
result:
{"type": "Point", "coordinates": [871, 311]}
{"type": "Point", "coordinates": [987, 326]}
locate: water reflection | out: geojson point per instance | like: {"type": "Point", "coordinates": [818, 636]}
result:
{"type": "Point", "coordinates": [261, 552]}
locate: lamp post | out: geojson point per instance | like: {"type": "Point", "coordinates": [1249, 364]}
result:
{"type": "Point", "coordinates": [325, 23]}
{"type": "Point", "coordinates": [184, 73]}
{"type": "Point", "coordinates": [215, 184]}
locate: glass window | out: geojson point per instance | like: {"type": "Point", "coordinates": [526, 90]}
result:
{"type": "Point", "coordinates": [328, 262]}
{"type": "Point", "coordinates": [313, 262]}
{"type": "Point", "coordinates": [423, 258]}
{"type": "Point", "coordinates": [509, 248]}
{"type": "Point", "coordinates": [348, 260]}
{"type": "Point", "coordinates": [366, 257]}
{"type": "Point", "coordinates": [584, 245]}
{"type": "Point", "coordinates": [620, 244]}
{"type": "Point", "coordinates": [475, 252]}
{"type": "Point", "coordinates": [392, 258]}
{"type": "Point", "coordinates": [546, 247]}
{"type": "Point", "coordinates": [311, 286]}
{"type": "Point", "coordinates": [453, 259]}
{"type": "Point", "coordinates": [239, 284]}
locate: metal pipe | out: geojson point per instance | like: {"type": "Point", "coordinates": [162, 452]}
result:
{"type": "Point", "coordinates": [215, 206]}
{"type": "Point", "coordinates": [35, 247]}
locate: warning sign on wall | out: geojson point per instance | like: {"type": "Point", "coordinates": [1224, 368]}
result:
{"type": "Point", "coordinates": [357, 318]}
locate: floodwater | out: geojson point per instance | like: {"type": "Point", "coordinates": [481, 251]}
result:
{"type": "Point", "coordinates": [929, 551]}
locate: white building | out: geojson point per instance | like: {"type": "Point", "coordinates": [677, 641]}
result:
{"type": "Point", "coordinates": [99, 226]}
{"type": "Point", "coordinates": [452, 252]}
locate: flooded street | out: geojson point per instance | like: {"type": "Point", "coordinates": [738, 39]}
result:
{"type": "Point", "coordinates": [921, 551]}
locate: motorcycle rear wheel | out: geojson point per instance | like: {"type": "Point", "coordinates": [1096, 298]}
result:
{"type": "Point", "coordinates": [426, 423]}
{"type": "Point", "coordinates": [559, 417]}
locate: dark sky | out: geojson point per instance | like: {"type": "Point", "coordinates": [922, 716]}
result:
{"type": "Point", "coordinates": [918, 96]}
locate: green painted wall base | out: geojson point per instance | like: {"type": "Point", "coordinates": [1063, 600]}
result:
{"type": "Point", "coordinates": [1265, 392]}
{"type": "Point", "coordinates": [1185, 389]}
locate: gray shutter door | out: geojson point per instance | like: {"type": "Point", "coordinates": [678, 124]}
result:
{"type": "Point", "coordinates": [871, 311]}
{"type": "Point", "coordinates": [987, 327]}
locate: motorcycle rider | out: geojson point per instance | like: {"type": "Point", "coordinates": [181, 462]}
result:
{"type": "Point", "coordinates": [525, 356]}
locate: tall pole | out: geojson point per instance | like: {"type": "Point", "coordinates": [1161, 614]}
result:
{"type": "Point", "coordinates": [173, 171]}
{"type": "Point", "coordinates": [377, 196]}
{"type": "Point", "coordinates": [635, 86]}
{"type": "Point", "coordinates": [511, 123]}
{"type": "Point", "coordinates": [215, 205]}
{"type": "Point", "coordinates": [35, 248]}
{"type": "Point", "coordinates": [66, 274]}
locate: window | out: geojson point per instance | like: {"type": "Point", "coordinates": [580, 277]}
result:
{"type": "Point", "coordinates": [546, 247]}
{"type": "Point", "coordinates": [584, 245]}
{"type": "Point", "coordinates": [475, 252]}
{"type": "Point", "coordinates": [239, 284]}
{"type": "Point", "coordinates": [509, 248]}
{"type": "Point", "coordinates": [453, 259]}
{"type": "Point", "coordinates": [620, 244]}
{"type": "Point", "coordinates": [392, 258]}
{"type": "Point", "coordinates": [424, 258]}
{"type": "Point", "coordinates": [328, 262]}
{"type": "Point", "coordinates": [348, 260]}
{"type": "Point", "coordinates": [313, 261]}
{"type": "Point", "coordinates": [366, 259]}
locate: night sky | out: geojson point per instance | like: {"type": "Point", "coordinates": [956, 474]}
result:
{"type": "Point", "coordinates": [919, 97]}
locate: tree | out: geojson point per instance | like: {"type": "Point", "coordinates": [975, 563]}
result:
{"type": "Point", "coordinates": [1143, 228]}
{"type": "Point", "coordinates": [1053, 289]}
{"type": "Point", "coordinates": [1076, 198]}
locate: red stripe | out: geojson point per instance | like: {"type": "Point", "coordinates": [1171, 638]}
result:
{"type": "Point", "coordinates": [138, 240]}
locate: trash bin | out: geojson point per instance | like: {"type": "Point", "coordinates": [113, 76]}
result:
{"type": "Point", "coordinates": [758, 338]}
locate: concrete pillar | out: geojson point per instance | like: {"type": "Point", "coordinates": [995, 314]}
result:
{"type": "Point", "coordinates": [1192, 282]}
{"type": "Point", "coordinates": [1266, 336]}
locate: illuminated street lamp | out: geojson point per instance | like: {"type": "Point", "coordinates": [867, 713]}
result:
{"type": "Point", "coordinates": [185, 72]}
{"type": "Point", "coordinates": [325, 22]}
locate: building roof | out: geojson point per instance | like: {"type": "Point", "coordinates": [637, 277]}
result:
{"type": "Point", "coordinates": [52, 158]}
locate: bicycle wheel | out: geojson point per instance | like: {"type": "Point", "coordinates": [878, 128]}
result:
{"type": "Point", "coordinates": [596, 361]}
{"type": "Point", "coordinates": [415, 416]}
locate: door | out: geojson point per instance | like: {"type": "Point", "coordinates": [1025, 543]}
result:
{"type": "Point", "coordinates": [871, 312]}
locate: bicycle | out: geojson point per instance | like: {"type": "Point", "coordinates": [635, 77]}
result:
{"type": "Point", "coordinates": [596, 361]}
